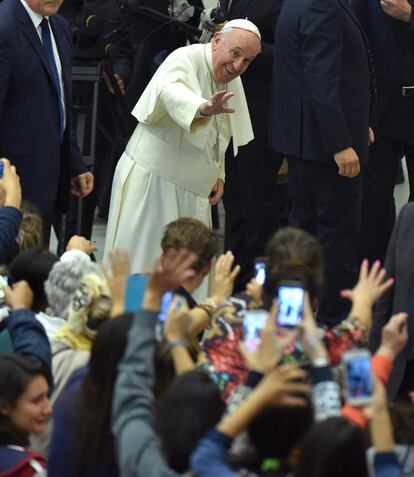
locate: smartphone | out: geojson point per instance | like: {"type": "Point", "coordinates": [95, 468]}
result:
{"type": "Point", "coordinates": [1, 170]}
{"type": "Point", "coordinates": [260, 268]}
{"type": "Point", "coordinates": [290, 299]}
{"type": "Point", "coordinates": [166, 304]}
{"type": "Point", "coordinates": [253, 323]}
{"type": "Point", "coordinates": [358, 377]}
{"type": "Point", "coordinates": [134, 293]}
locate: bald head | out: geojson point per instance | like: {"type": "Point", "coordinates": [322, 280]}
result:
{"type": "Point", "coordinates": [233, 49]}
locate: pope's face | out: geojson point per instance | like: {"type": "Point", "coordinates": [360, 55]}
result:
{"type": "Point", "coordinates": [45, 8]}
{"type": "Point", "coordinates": [232, 53]}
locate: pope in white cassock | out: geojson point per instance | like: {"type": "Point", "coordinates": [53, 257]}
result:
{"type": "Point", "coordinates": [173, 165]}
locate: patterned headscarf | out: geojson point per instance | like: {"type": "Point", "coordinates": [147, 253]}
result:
{"type": "Point", "coordinates": [89, 309]}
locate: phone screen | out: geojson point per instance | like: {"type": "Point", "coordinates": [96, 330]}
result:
{"type": "Point", "coordinates": [253, 323]}
{"type": "Point", "coordinates": [4, 281]}
{"type": "Point", "coordinates": [1, 170]}
{"type": "Point", "coordinates": [165, 306]}
{"type": "Point", "coordinates": [358, 377]}
{"type": "Point", "coordinates": [290, 299]}
{"type": "Point", "coordinates": [260, 268]}
{"type": "Point", "coordinates": [134, 294]}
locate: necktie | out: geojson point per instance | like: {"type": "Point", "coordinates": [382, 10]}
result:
{"type": "Point", "coordinates": [47, 44]}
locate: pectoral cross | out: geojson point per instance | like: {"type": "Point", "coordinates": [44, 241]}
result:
{"type": "Point", "coordinates": [216, 148]}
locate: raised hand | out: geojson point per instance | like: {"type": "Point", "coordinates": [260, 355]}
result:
{"type": "Point", "coordinates": [176, 267]}
{"type": "Point", "coordinates": [224, 276]}
{"type": "Point", "coordinates": [20, 296]}
{"type": "Point", "coordinates": [310, 336]}
{"type": "Point", "coordinates": [77, 242]}
{"type": "Point", "coordinates": [116, 277]}
{"type": "Point", "coordinates": [178, 321]}
{"type": "Point", "coordinates": [10, 189]}
{"type": "Point", "coordinates": [394, 336]}
{"type": "Point", "coordinates": [284, 386]}
{"type": "Point", "coordinates": [271, 346]}
{"type": "Point", "coordinates": [216, 104]}
{"type": "Point", "coordinates": [371, 283]}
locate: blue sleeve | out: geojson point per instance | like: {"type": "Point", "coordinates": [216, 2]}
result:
{"type": "Point", "coordinates": [29, 338]}
{"type": "Point", "coordinates": [210, 455]}
{"type": "Point", "coordinates": [386, 465]}
{"type": "Point", "coordinates": [133, 412]}
{"type": "Point", "coordinates": [62, 444]}
{"type": "Point", "coordinates": [10, 220]}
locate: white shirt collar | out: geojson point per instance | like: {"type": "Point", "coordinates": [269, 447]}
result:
{"type": "Point", "coordinates": [35, 17]}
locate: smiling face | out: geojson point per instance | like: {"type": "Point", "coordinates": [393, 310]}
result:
{"type": "Point", "coordinates": [232, 53]}
{"type": "Point", "coordinates": [45, 8]}
{"type": "Point", "coordinates": [32, 410]}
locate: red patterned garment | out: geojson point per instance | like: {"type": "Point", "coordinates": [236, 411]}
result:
{"type": "Point", "coordinates": [222, 359]}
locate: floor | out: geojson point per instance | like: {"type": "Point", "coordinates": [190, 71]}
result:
{"type": "Point", "coordinates": [98, 236]}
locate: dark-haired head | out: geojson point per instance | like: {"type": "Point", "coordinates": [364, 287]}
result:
{"type": "Point", "coordinates": [277, 430]}
{"type": "Point", "coordinates": [94, 438]}
{"type": "Point", "coordinates": [273, 434]}
{"type": "Point", "coordinates": [190, 407]}
{"type": "Point", "coordinates": [24, 403]}
{"type": "Point", "coordinates": [34, 266]}
{"type": "Point", "coordinates": [333, 447]}
{"type": "Point", "coordinates": [293, 254]}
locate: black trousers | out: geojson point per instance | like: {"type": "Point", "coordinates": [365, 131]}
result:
{"type": "Point", "coordinates": [328, 206]}
{"type": "Point", "coordinates": [254, 203]}
{"type": "Point", "coordinates": [378, 205]}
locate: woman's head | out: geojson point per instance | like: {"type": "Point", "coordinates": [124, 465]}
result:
{"type": "Point", "coordinates": [189, 408]}
{"type": "Point", "coordinates": [97, 392]}
{"type": "Point", "coordinates": [333, 447]}
{"type": "Point", "coordinates": [33, 266]}
{"type": "Point", "coordinates": [24, 403]}
{"type": "Point", "coordinates": [31, 228]}
{"type": "Point", "coordinates": [107, 351]}
{"type": "Point", "coordinates": [293, 254]}
{"type": "Point", "coordinates": [64, 280]}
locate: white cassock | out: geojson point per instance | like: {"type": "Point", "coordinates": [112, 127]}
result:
{"type": "Point", "coordinates": [169, 166]}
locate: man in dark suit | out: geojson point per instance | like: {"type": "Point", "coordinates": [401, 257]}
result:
{"type": "Point", "coordinates": [36, 131]}
{"type": "Point", "coordinates": [389, 26]}
{"type": "Point", "coordinates": [399, 299]}
{"type": "Point", "coordinates": [320, 119]}
{"type": "Point", "coordinates": [253, 201]}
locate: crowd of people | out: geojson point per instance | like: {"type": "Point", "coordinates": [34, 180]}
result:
{"type": "Point", "coordinates": [201, 376]}
{"type": "Point", "coordinates": [87, 388]}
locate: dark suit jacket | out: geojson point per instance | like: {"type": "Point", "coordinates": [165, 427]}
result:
{"type": "Point", "coordinates": [320, 89]}
{"type": "Point", "coordinates": [392, 48]}
{"type": "Point", "coordinates": [29, 117]}
{"type": "Point", "coordinates": [399, 265]}
{"type": "Point", "coordinates": [257, 79]}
